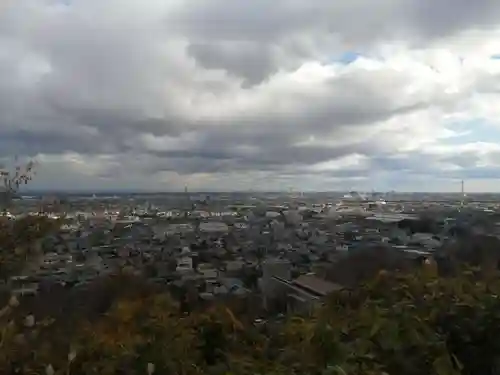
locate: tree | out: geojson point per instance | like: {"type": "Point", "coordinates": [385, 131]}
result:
{"type": "Point", "coordinates": [12, 180]}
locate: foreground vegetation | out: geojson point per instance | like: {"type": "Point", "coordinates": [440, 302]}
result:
{"type": "Point", "coordinates": [398, 323]}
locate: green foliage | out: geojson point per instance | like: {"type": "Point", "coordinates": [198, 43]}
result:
{"type": "Point", "coordinates": [396, 324]}
{"type": "Point", "coordinates": [403, 324]}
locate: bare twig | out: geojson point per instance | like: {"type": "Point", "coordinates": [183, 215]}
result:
{"type": "Point", "coordinates": [11, 179]}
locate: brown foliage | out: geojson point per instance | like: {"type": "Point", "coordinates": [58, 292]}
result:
{"type": "Point", "coordinates": [396, 324]}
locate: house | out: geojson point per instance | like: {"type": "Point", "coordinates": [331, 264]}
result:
{"type": "Point", "coordinates": [302, 295]}
{"type": "Point", "coordinates": [184, 264]}
{"type": "Point", "coordinates": [213, 227]}
{"type": "Point", "coordinates": [207, 271]}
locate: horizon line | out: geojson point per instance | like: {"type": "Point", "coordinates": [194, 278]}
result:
{"type": "Point", "coordinates": [295, 192]}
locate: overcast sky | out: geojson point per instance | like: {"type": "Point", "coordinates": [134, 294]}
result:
{"type": "Point", "coordinates": [262, 95]}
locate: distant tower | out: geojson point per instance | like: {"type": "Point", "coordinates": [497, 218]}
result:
{"type": "Point", "coordinates": [187, 201]}
{"type": "Point", "coordinates": [462, 195]}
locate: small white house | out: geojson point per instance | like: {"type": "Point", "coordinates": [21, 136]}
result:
{"type": "Point", "coordinates": [213, 227]}
{"type": "Point", "coordinates": [184, 264]}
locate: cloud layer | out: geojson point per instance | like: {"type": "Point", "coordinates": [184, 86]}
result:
{"type": "Point", "coordinates": [240, 95]}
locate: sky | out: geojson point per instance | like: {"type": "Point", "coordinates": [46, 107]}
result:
{"type": "Point", "coordinates": [228, 95]}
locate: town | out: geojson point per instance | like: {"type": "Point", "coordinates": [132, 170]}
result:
{"type": "Point", "coordinates": [278, 252]}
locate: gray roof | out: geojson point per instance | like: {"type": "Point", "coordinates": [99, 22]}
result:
{"type": "Point", "coordinates": [316, 284]}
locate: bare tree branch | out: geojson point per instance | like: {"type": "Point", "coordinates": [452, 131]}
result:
{"type": "Point", "coordinates": [11, 180]}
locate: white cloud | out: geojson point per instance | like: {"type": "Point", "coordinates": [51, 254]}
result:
{"type": "Point", "coordinates": [231, 95]}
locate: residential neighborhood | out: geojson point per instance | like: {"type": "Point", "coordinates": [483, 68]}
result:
{"type": "Point", "coordinates": [284, 252]}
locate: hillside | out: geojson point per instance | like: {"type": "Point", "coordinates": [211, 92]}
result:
{"type": "Point", "coordinates": [413, 323]}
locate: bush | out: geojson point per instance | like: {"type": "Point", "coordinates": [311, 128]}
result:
{"type": "Point", "coordinates": [402, 323]}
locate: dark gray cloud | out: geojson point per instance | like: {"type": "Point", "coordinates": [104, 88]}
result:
{"type": "Point", "coordinates": [250, 60]}
{"type": "Point", "coordinates": [430, 17]}
{"type": "Point", "coordinates": [316, 27]}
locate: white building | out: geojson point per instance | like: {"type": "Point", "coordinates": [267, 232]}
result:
{"type": "Point", "coordinates": [184, 264]}
{"type": "Point", "coordinates": [213, 227]}
{"type": "Point", "coordinates": [162, 230]}
{"type": "Point", "coordinates": [207, 271]}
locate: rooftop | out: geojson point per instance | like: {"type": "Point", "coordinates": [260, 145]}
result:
{"type": "Point", "coordinates": [316, 285]}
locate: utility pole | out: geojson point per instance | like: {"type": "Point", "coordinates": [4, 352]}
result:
{"type": "Point", "coordinates": [186, 197]}
{"type": "Point", "coordinates": [462, 197]}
